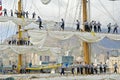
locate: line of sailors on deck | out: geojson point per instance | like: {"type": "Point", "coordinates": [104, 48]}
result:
{"type": "Point", "coordinates": [88, 69]}
{"type": "Point", "coordinates": [25, 14]}
{"type": "Point", "coordinates": [14, 41]}
{"type": "Point", "coordinates": [20, 42]}
{"type": "Point", "coordinates": [92, 26]}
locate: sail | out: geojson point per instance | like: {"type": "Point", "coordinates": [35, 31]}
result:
{"type": "Point", "coordinates": [28, 49]}
{"type": "Point", "coordinates": [59, 35]}
{"type": "Point", "coordinates": [25, 21]}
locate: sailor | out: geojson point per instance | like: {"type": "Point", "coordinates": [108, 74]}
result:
{"type": "Point", "coordinates": [95, 26]}
{"type": "Point", "coordinates": [11, 12]}
{"type": "Point", "coordinates": [28, 42]}
{"type": "Point", "coordinates": [33, 15]}
{"type": "Point", "coordinates": [62, 24]}
{"type": "Point", "coordinates": [16, 12]}
{"type": "Point", "coordinates": [115, 67]}
{"type": "Point", "coordinates": [95, 69]}
{"type": "Point", "coordinates": [87, 26]}
{"type": "Point", "coordinates": [101, 67]}
{"type": "Point", "coordinates": [27, 14]}
{"type": "Point", "coordinates": [92, 68]}
{"type": "Point", "coordinates": [91, 25]}
{"type": "Point", "coordinates": [30, 64]}
{"type": "Point", "coordinates": [72, 69]}
{"type": "Point", "coordinates": [104, 67]}
{"type": "Point", "coordinates": [86, 68]}
{"type": "Point", "coordinates": [78, 70]}
{"type": "Point", "coordinates": [23, 13]}
{"type": "Point", "coordinates": [40, 22]}
{"type": "Point", "coordinates": [115, 28]}
{"type": "Point", "coordinates": [109, 27]}
{"type": "Point", "coordinates": [78, 25]}
{"type": "Point", "coordinates": [99, 26]}
{"type": "Point", "coordinates": [1, 65]}
{"type": "Point", "coordinates": [13, 66]}
{"type": "Point", "coordinates": [81, 68]}
{"type": "Point", "coordinates": [5, 12]}
{"type": "Point", "coordinates": [62, 69]}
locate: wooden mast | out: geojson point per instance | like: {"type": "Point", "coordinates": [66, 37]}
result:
{"type": "Point", "coordinates": [19, 34]}
{"type": "Point", "coordinates": [85, 44]}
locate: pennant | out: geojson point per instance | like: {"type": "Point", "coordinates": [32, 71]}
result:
{"type": "Point", "coordinates": [0, 8]}
{"type": "Point", "coordinates": [0, 13]}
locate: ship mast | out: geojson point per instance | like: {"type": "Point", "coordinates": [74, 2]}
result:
{"type": "Point", "coordinates": [85, 44]}
{"type": "Point", "coordinates": [19, 34]}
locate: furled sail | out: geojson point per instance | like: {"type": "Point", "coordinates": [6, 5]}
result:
{"type": "Point", "coordinates": [60, 35]}
{"type": "Point", "coordinates": [28, 49]}
{"type": "Point", "coordinates": [25, 21]}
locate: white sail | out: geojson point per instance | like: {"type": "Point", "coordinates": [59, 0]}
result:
{"type": "Point", "coordinates": [25, 21]}
{"type": "Point", "coordinates": [59, 35]}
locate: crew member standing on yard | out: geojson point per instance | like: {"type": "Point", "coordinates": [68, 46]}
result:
{"type": "Point", "coordinates": [5, 12]}
{"type": "Point", "coordinates": [62, 24]}
{"type": "Point", "coordinates": [115, 67]}
{"type": "Point", "coordinates": [33, 15]}
{"type": "Point", "coordinates": [23, 13]}
{"type": "Point", "coordinates": [95, 26]}
{"type": "Point", "coordinates": [115, 28]}
{"type": "Point", "coordinates": [11, 12]}
{"type": "Point", "coordinates": [86, 26]}
{"type": "Point", "coordinates": [109, 27]}
{"type": "Point", "coordinates": [104, 67]}
{"type": "Point", "coordinates": [27, 14]}
{"type": "Point", "coordinates": [16, 12]}
{"type": "Point", "coordinates": [78, 25]}
{"type": "Point", "coordinates": [101, 66]}
{"type": "Point", "coordinates": [40, 22]}
{"type": "Point", "coordinates": [99, 27]}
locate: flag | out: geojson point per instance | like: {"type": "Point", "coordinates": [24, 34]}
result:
{"type": "Point", "coordinates": [0, 7]}
{"type": "Point", "coordinates": [0, 2]}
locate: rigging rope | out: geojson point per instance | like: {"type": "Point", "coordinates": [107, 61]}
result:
{"type": "Point", "coordinates": [35, 6]}
{"type": "Point", "coordinates": [25, 5]}
{"type": "Point", "coordinates": [107, 11]}
{"type": "Point", "coordinates": [7, 29]}
{"type": "Point", "coordinates": [59, 9]}
{"type": "Point", "coordinates": [14, 5]}
{"type": "Point", "coordinates": [68, 2]}
{"type": "Point", "coordinates": [77, 7]}
{"type": "Point", "coordinates": [98, 9]}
